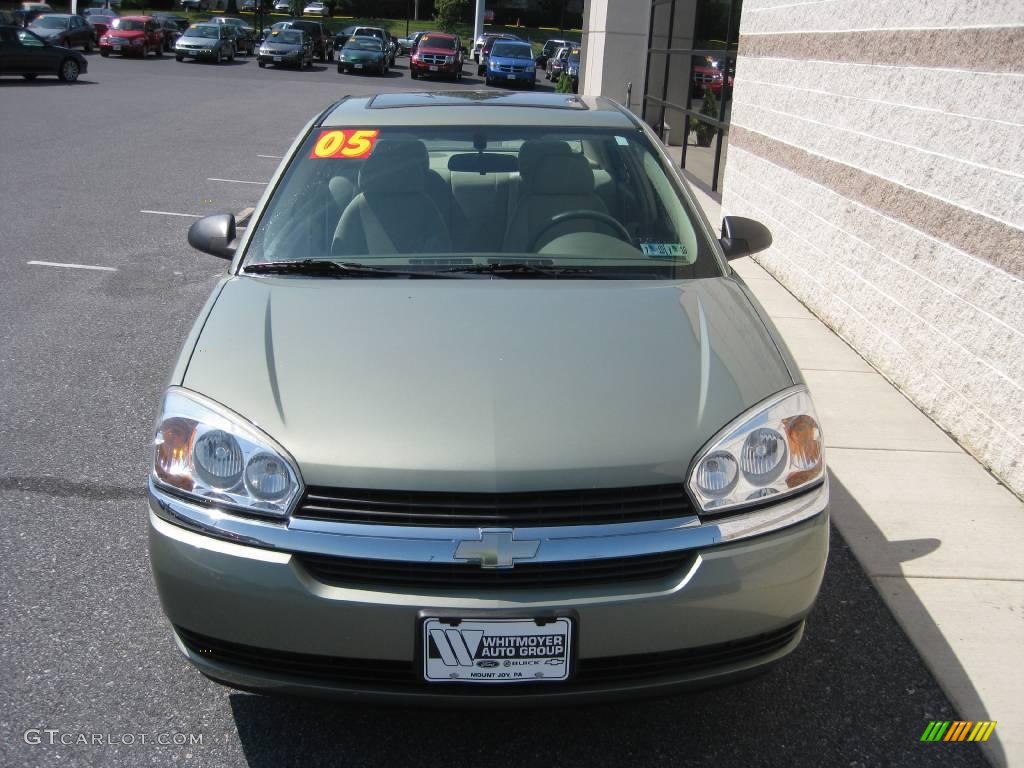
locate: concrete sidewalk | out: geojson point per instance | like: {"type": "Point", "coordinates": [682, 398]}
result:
{"type": "Point", "coordinates": [939, 537]}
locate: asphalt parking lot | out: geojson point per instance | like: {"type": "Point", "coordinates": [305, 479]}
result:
{"type": "Point", "coordinates": [106, 173]}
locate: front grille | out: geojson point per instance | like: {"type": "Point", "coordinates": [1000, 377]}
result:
{"type": "Point", "coordinates": [480, 510]}
{"type": "Point", "coordinates": [360, 572]}
{"type": "Point", "coordinates": [511, 68]}
{"type": "Point", "coordinates": [403, 675]}
{"type": "Point", "coordinates": [433, 58]}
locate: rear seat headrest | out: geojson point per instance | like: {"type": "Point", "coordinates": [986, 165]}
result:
{"type": "Point", "coordinates": [533, 155]}
{"type": "Point", "coordinates": [399, 167]}
{"type": "Point", "coordinates": [563, 175]}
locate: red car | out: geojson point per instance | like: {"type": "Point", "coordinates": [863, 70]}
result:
{"type": "Point", "coordinates": [437, 53]}
{"type": "Point", "coordinates": [133, 36]}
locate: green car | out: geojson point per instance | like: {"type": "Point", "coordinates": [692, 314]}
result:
{"type": "Point", "coordinates": [362, 54]}
{"type": "Point", "coordinates": [480, 414]}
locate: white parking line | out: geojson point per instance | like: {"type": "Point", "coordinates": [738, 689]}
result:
{"type": "Point", "coordinates": [239, 181]}
{"type": "Point", "coordinates": [172, 213]}
{"type": "Point", "coordinates": [272, 157]}
{"type": "Point", "coordinates": [71, 266]}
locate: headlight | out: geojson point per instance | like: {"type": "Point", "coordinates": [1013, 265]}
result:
{"type": "Point", "coordinates": [205, 451]}
{"type": "Point", "coordinates": [775, 449]}
{"type": "Point", "coordinates": [449, 59]}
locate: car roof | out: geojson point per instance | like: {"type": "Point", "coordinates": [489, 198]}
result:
{"type": "Point", "coordinates": [495, 108]}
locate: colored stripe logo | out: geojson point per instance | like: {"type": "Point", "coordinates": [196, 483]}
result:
{"type": "Point", "coordinates": [958, 730]}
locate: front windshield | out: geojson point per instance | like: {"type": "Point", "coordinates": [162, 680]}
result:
{"type": "Point", "coordinates": [203, 30]}
{"type": "Point", "coordinates": [130, 25]}
{"type": "Point", "coordinates": [364, 32]}
{"type": "Point", "coordinates": [442, 43]}
{"type": "Point", "coordinates": [290, 37]}
{"type": "Point", "coordinates": [511, 51]}
{"type": "Point", "coordinates": [432, 197]}
{"type": "Point", "coordinates": [50, 22]}
{"type": "Point", "coordinates": [362, 44]}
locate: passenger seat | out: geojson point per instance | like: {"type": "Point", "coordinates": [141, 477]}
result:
{"type": "Point", "coordinates": [394, 211]}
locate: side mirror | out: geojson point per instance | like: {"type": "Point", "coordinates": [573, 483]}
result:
{"type": "Point", "coordinates": [214, 235]}
{"type": "Point", "coordinates": [742, 237]}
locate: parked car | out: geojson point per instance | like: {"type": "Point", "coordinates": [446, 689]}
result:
{"type": "Point", "coordinates": [363, 54]}
{"type": "Point", "coordinates": [395, 513]}
{"type": "Point", "coordinates": [287, 48]}
{"type": "Point", "coordinates": [390, 43]}
{"type": "Point", "coordinates": [282, 6]}
{"type": "Point", "coordinates": [64, 29]}
{"type": "Point", "coordinates": [707, 76]}
{"type": "Point", "coordinates": [407, 44]}
{"type": "Point", "coordinates": [196, 5]}
{"type": "Point", "coordinates": [245, 36]}
{"type": "Point", "coordinates": [318, 33]}
{"type": "Point", "coordinates": [553, 69]}
{"type": "Point", "coordinates": [551, 48]}
{"type": "Point", "coordinates": [572, 68]}
{"type": "Point", "coordinates": [482, 42]}
{"type": "Point", "coordinates": [170, 30]}
{"type": "Point", "coordinates": [29, 12]}
{"type": "Point", "coordinates": [437, 54]}
{"type": "Point", "coordinates": [206, 41]}
{"type": "Point", "coordinates": [511, 63]}
{"type": "Point", "coordinates": [316, 8]}
{"type": "Point", "coordinates": [23, 52]}
{"type": "Point", "coordinates": [100, 20]}
{"type": "Point", "coordinates": [132, 36]}
{"type": "Point", "coordinates": [489, 42]}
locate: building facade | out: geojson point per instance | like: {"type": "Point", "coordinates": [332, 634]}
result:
{"type": "Point", "coordinates": [883, 145]}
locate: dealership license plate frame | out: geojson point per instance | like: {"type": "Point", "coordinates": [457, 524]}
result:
{"type": "Point", "coordinates": [434, 670]}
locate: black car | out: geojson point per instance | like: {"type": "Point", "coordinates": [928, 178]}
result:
{"type": "Point", "coordinates": [169, 29]}
{"type": "Point", "coordinates": [320, 34]}
{"type": "Point", "coordinates": [245, 36]}
{"type": "Point", "coordinates": [22, 52]}
{"type": "Point", "coordinates": [64, 29]}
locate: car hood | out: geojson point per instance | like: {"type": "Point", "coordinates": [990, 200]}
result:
{"type": "Point", "coordinates": [435, 51]}
{"type": "Point", "coordinates": [355, 53]}
{"type": "Point", "coordinates": [486, 385]}
{"type": "Point", "coordinates": [209, 42]}
{"type": "Point", "coordinates": [125, 34]}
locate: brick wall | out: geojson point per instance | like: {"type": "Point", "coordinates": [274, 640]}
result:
{"type": "Point", "coordinates": [883, 145]}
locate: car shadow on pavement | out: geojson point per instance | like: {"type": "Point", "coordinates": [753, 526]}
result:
{"type": "Point", "coordinates": [42, 81]}
{"type": "Point", "coordinates": [854, 693]}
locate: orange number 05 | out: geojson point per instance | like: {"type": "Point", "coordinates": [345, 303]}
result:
{"type": "Point", "coordinates": [351, 145]}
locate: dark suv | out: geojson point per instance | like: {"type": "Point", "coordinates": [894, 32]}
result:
{"type": "Point", "coordinates": [323, 40]}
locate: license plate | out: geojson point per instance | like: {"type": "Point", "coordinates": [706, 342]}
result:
{"type": "Point", "coordinates": [117, 47]}
{"type": "Point", "coordinates": [433, 69]}
{"type": "Point", "coordinates": [511, 77]}
{"type": "Point", "coordinates": [358, 66]}
{"type": "Point", "coordinates": [277, 58]}
{"type": "Point", "coordinates": [496, 650]}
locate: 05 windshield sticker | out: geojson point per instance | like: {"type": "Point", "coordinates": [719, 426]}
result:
{"type": "Point", "coordinates": [346, 145]}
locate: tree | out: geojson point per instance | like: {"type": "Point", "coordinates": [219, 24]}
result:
{"type": "Point", "coordinates": [449, 13]}
{"type": "Point", "coordinates": [232, 9]}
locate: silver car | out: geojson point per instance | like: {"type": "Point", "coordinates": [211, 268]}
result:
{"type": "Point", "coordinates": [206, 40]}
{"type": "Point", "coordinates": [480, 414]}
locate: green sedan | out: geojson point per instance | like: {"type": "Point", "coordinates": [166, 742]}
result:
{"type": "Point", "coordinates": [362, 54]}
{"type": "Point", "coordinates": [479, 413]}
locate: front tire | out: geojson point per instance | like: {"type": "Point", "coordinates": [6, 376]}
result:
{"type": "Point", "coordinates": [105, 54]}
{"type": "Point", "coordinates": [159, 51]}
{"type": "Point", "coordinates": [30, 76]}
{"type": "Point", "coordinates": [220, 56]}
{"type": "Point", "coordinates": [177, 57]}
{"type": "Point", "coordinates": [88, 46]}
{"type": "Point", "coordinates": [69, 70]}
{"type": "Point", "coordinates": [262, 64]}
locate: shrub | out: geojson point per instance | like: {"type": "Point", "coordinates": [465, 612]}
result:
{"type": "Point", "coordinates": [564, 84]}
{"type": "Point", "coordinates": [448, 13]}
{"type": "Point", "coordinates": [705, 131]}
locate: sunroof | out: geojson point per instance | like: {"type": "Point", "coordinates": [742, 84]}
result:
{"type": "Point", "coordinates": [476, 98]}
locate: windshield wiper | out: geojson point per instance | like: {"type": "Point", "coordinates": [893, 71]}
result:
{"type": "Point", "coordinates": [523, 270]}
{"type": "Point", "coordinates": [327, 268]}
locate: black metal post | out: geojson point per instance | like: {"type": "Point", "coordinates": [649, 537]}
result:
{"type": "Point", "coordinates": [408, 5]}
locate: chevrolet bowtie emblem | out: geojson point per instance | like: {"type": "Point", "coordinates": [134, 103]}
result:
{"type": "Point", "coordinates": [496, 549]}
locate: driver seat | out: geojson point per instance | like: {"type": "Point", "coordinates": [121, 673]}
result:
{"type": "Point", "coordinates": [553, 180]}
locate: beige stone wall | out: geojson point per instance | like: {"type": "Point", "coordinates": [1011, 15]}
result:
{"type": "Point", "coordinates": [883, 144]}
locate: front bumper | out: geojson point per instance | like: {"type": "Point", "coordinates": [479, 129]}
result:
{"type": "Point", "coordinates": [255, 618]}
{"type": "Point", "coordinates": [435, 69]}
{"type": "Point", "coordinates": [196, 53]}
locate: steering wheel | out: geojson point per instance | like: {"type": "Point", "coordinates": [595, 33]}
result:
{"type": "Point", "coordinates": [621, 232]}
